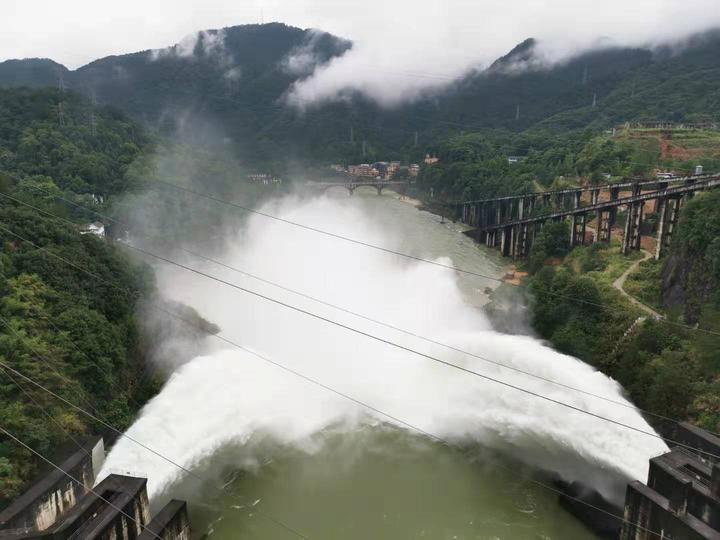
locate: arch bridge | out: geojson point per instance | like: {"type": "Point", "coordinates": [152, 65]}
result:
{"type": "Point", "coordinates": [352, 185]}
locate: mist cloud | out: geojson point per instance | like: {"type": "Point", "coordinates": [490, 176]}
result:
{"type": "Point", "coordinates": [402, 49]}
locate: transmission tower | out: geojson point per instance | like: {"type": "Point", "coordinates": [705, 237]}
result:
{"type": "Point", "coordinates": [61, 114]}
{"type": "Point", "coordinates": [93, 120]}
{"type": "Point", "coordinates": [517, 112]}
{"type": "Point", "coordinates": [594, 100]}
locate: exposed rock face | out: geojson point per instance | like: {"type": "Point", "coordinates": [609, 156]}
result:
{"type": "Point", "coordinates": [686, 282]}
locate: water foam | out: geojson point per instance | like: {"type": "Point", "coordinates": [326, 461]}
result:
{"type": "Point", "coordinates": [227, 397]}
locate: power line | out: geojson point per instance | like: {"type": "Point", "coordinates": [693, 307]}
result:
{"type": "Point", "coordinates": [385, 324]}
{"type": "Point", "coordinates": [393, 344]}
{"type": "Point", "coordinates": [45, 411]}
{"type": "Point", "coordinates": [322, 385]}
{"type": "Point", "coordinates": [383, 249]}
{"type": "Point", "coordinates": [78, 482]}
{"type": "Point", "coordinates": [6, 368]}
{"type": "Point", "coordinates": [394, 419]}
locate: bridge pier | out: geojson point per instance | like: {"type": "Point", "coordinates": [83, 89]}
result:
{"type": "Point", "coordinates": [577, 229]}
{"type": "Point", "coordinates": [576, 199]}
{"type": "Point", "coordinates": [521, 242]}
{"type": "Point", "coordinates": [595, 196]}
{"type": "Point", "coordinates": [631, 239]}
{"type": "Point", "coordinates": [505, 241]}
{"type": "Point", "coordinates": [603, 226]}
{"type": "Point", "coordinates": [521, 208]}
{"type": "Point", "coordinates": [614, 195]}
{"type": "Point", "coordinates": [669, 213]}
{"type": "Point", "coordinates": [491, 238]}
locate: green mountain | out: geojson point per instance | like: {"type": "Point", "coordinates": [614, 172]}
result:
{"type": "Point", "coordinates": [228, 85]}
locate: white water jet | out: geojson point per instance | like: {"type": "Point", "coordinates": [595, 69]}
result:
{"type": "Point", "coordinates": [225, 397]}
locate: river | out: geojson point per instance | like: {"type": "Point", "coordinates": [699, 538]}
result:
{"type": "Point", "coordinates": [291, 455]}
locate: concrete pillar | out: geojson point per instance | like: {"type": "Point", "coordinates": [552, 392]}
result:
{"type": "Point", "coordinates": [577, 229]}
{"type": "Point", "coordinates": [715, 480]}
{"type": "Point", "coordinates": [505, 241]}
{"type": "Point", "coordinates": [521, 207]}
{"type": "Point", "coordinates": [595, 196]}
{"type": "Point", "coordinates": [614, 195]}
{"type": "Point", "coordinates": [546, 199]}
{"type": "Point", "coordinates": [679, 498]}
{"type": "Point", "coordinates": [573, 227]}
{"type": "Point", "coordinates": [524, 241]}
{"type": "Point", "coordinates": [631, 239]}
{"type": "Point", "coordinates": [498, 213]}
{"type": "Point", "coordinates": [576, 199]}
{"type": "Point", "coordinates": [604, 226]}
{"type": "Point", "coordinates": [669, 213]}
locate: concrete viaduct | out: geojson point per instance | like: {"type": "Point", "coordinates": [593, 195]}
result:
{"type": "Point", "coordinates": [511, 223]}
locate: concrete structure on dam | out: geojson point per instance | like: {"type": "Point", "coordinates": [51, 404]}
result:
{"type": "Point", "coordinates": [64, 504]}
{"type": "Point", "coordinates": [681, 500]}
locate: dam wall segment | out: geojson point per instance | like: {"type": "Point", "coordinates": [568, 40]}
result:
{"type": "Point", "coordinates": [60, 508]}
{"type": "Point", "coordinates": [511, 223]}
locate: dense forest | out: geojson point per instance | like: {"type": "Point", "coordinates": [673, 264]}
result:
{"type": "Point", "coordinates": [668, 368]}
{"type": "Point", "coordinates": [68, 300]}
{"type": "Point", "coordinates": [230, 85]}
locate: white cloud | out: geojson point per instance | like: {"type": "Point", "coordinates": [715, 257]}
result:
{"type": "Point", "coordinates": [402, 48]}
{"type": "Point", "coordinates": [303, 59]}
{"type": "Point", "coordinates": [211, 41]}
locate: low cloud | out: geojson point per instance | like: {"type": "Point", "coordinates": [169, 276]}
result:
{"type": "Point", "coordinates": [205, 43]}
{"type": "Point", "coordinates": [403, 52]}
{"type": "Point", "coordinates": [402, 49]}
{"type": "Point", "coordinates": [303, 60]}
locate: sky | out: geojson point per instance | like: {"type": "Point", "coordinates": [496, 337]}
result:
{"type": "Point", "coordinates": [403, 48]}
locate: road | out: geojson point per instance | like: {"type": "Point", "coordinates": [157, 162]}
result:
{"type": "Point", "coordinates": [619, 282]}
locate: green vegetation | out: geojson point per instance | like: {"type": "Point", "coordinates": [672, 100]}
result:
{"type": "Point", "coordinates": [644, 284]}
{"type": "Point", "coordinates": [574, 306]}
{"type": "Point", "coordinates": [667, 369]}
{"type": "Point", "coordinates": [71, 332]}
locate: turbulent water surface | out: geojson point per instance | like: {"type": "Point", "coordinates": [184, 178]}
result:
{"type": "Point", "coordinates": [291, 451]}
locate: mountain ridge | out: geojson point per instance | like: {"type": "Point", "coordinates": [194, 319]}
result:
{"type": "Point", "coordinates": [233, 82]}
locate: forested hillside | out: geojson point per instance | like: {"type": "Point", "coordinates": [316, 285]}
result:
{"type": "Point", "coordinates": [670, 368]}
{"type": "Point", "coordinates": [229, 85]}
{"type": "Point", "coordinates": [60, 325]}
